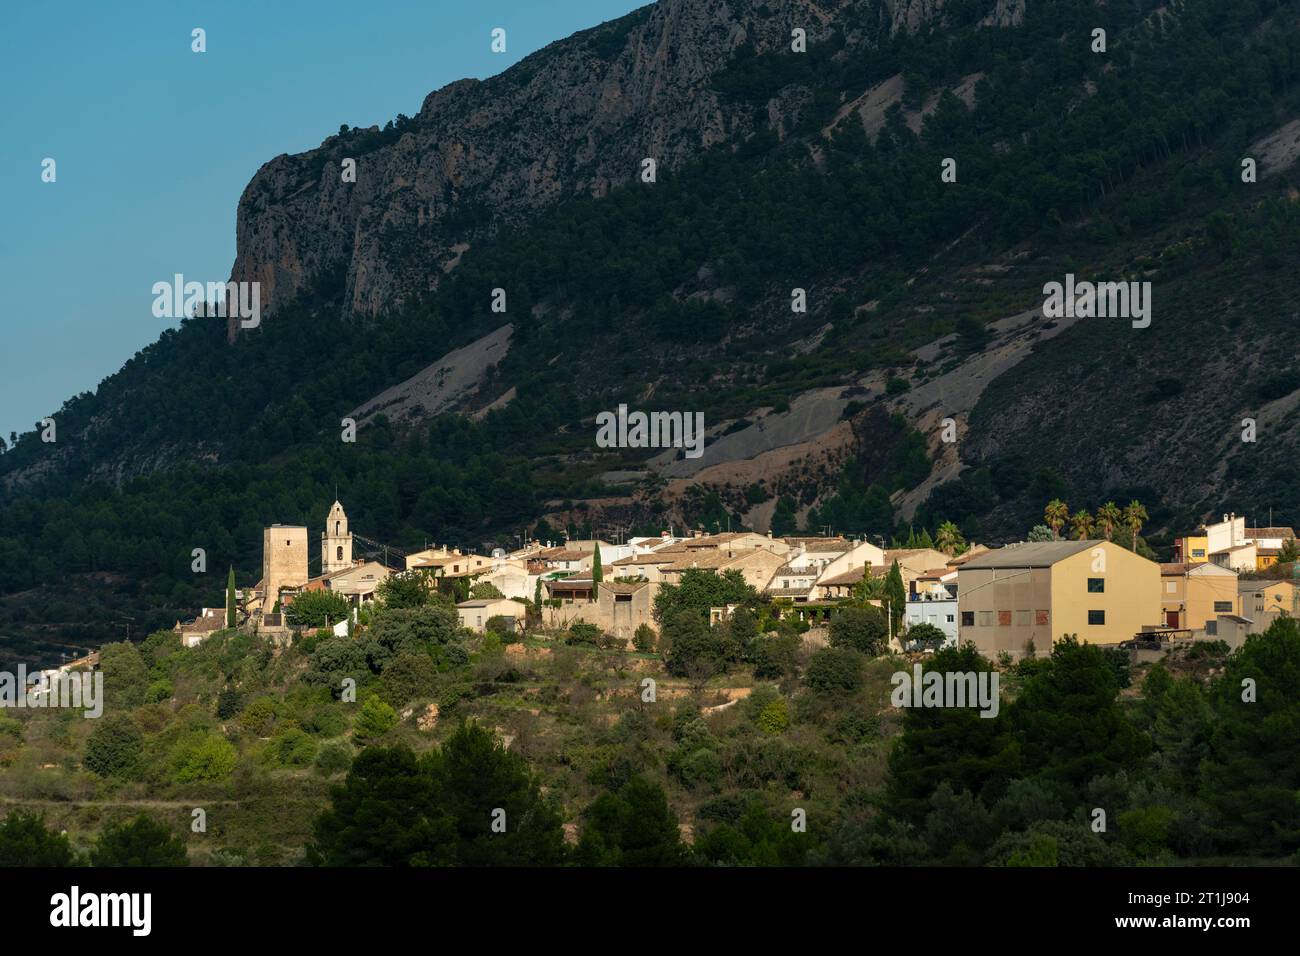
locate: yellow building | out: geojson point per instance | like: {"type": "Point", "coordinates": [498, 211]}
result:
{"type": "Point", "coordinates": [1268, 544]}
{"type": "Point", "coordinates": [1041, 591]}
{"type": "Point", "coordinates": [1193, 594]}
{"type": "Point", "coordinates": [1192, 549]}
{"type": "Point", "coordinates": [1264, 601]}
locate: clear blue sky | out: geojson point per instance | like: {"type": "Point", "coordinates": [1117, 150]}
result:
{"type": "Point", "coordinates": [154, 144]}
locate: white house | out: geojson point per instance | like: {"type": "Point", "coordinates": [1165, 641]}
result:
{"type": "Point", "coordinates": [932, 599]}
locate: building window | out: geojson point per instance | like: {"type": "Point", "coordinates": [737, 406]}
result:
{"type": "Point", "coordinates": [1040, 618]}
{"type": "Point", "coordinates": [1096, 617]}
{"type": "Point", "coordinates": [1198, 552]}
{"type": "Point", "coordinates": [340, 557]}
{"type": "Point", "coordinates": [1096, 585]}
{"type": "Point", "coordinates": [1212, 628]}
{"type": "Point", "coordinates": [1223, 607]}
{"type": "Point", "coordinates": [949, 618]}
{"type": "Point", "coordinates": [1004, 618]}
{"type": "Point", "coordinates": [1022, 618]}
{"type": "Point", "coordinates": [967, 618]}
{"type": "Point", "coordinates": [986, 618]}
{"type": "Point", "coordinates": [1171, 587]}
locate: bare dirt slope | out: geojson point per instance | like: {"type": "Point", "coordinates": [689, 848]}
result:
{"type": "Point", "coordinates": [439, 386]}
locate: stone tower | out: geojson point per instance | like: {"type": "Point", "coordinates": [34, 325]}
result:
{"type": "Point", "coordinates": [336, 542]}
{"type": "Point", "coordinates": [284, 560]}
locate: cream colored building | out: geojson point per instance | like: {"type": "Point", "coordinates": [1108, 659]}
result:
{"type": "Point", "coordinates": [510, 577]}
{"type": "Point", "coordinates": [474, 614]}
{"type": "Point", "coordinates": [1191, 594]}
{"type": "Point", "coordinates": [645, 566]}
{"type": "Point", "coordinates": [858, 555]}
{"type": "Point", "coordinates": [756, 565]}
{"type": "Point", "coordinates": [449, 563]}
{"type": "Point", "coordinates": [359, 582]}
{"type": "Point", "coordinates": [1264, 601]}
{"type": "Point", "coordinates": [1041, 591]}
{"type": "Point", "coordinates": [915, 560]}
{"type": "Point", "coordinates": [1238, 558]}
{"type": "Point", "coordinates": [737, 541]}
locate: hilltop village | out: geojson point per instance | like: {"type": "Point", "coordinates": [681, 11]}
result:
{"type": "Point", "coordinates": [1011, 601]}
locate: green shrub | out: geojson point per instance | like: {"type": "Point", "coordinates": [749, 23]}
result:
{"type": "Point", "coordinates": [202, 757]}
{"type": "Point", "coordinates": [580, 632]}
{"type": "Point", "coordinates": [114, 746]}
{"type": "Point", "coordinates": [333, 758]}
{"type": "Point", "coordinates": [775, 717]}
{"type": "Point", "coordinates": [375, 719]}
{"type": "Point", "coordinates": [834, 671]}
{"type": "Point", "coordinates": [291, 748]}
{"type": "Point", "coordinates": [229, 703]}
{"type": "Point", "coordinates": [644, 638]}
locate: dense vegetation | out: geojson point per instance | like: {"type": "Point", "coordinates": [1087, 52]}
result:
{"type": "Point", "coordinates": [759, 746]}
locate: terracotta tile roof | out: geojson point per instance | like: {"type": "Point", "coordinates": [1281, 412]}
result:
{"type": "Point", "coordinates": [708, 560]}
{"type": "Point", "coordinates": [562, 554]}
{"type": "Point", "coordinates": [656, 557]}
{"type": "Point", "coordinates": [851, 577]}
{"type": "Point", "coordinates": [836, 544]}
{"type": "Point", "coordinates": [1279, 532]}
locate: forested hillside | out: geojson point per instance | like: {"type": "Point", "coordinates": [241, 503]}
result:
{"type": "Point", "coordinates": [1124, 164]}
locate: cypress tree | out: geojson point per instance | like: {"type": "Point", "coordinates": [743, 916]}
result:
{"type": "Point", "coordinates": [597, 572]}
{"type": "Point", "coordinates": [897, 596]}
{"type": "Point", "coordinates": [230, 599]}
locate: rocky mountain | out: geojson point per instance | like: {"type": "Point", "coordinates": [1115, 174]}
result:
{"type": "Point", "coordinates": [574, 119]}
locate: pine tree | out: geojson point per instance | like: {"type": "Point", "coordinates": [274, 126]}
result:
{"type": "Point", "coordinates": [231, 616]}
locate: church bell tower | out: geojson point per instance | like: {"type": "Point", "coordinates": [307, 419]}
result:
{"type": "Point", "coordinates": [336, 542]}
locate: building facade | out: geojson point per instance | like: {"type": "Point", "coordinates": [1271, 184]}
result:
{"type": "Point", "coordinates": [1027, 596]}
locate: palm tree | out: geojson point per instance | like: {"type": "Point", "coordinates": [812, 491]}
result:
{"type": "Point", "coordinates": [1134, 517]}
{"type": "Point", "coordinates": [1055, 515]}
{"type": "Point", "coordinates": [1108, 519]}
{"type": "Point", "coordinates": [1081, 525]}
{"type": "Point", "coordinates": [949, 538]}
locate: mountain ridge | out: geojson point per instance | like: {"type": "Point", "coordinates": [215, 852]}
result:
{"type": "Point", "coordinates": [677, 295]}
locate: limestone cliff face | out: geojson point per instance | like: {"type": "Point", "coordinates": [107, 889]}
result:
{"type": "Point", "coordinates": [572, 119]}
